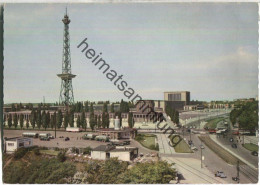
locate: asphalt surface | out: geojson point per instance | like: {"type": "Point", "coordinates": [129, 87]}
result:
{"type": "Point", "coordinates": [213, 162]}
{"type": "Point", "coordinates": [75, 140]}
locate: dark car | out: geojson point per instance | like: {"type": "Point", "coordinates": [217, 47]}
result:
{"type": "Point", "coordinates": [67, 139]}
{"type": "Point", "coordinates": [126, 142]}
{"type": "Point", "coordinates": [220, 174]}
{"type": "Point", "coordinates": [190, 142]}
{"type": "Point", "coordinates": [234, 146]}
{"type": "Point", "coordinates": [235, 178]}
{"type": "Point", "coordinates": [254, 153]}
{"type": "Point", "coordinates": [44, 139]}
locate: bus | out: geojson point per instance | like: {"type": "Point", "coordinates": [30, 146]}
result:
{"type": "Point", "coordinates": [30, 134]}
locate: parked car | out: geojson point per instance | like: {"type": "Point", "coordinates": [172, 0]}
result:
{"type": "Point", "coordinates": [67, 138]}
{"type": "Point", "coordinates": [235, 178]}
{"type": "Point", "coordinates": [220, 174]}
{"type": "Point", "coordinates": [202, 147]}
{"type": "Point", "coordinates": [234, 146]}
{"type": "Point", "coordinates": [194, 148]}
{"type": "Point", "coordinates": [44, 139]}
{"type": "Point", "coordinates": [254, 153]}
{"type": "Point", "coordinates": [126, 142]}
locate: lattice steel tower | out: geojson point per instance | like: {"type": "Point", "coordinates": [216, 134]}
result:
{"type": "Point", "coordinates": [66, 90]}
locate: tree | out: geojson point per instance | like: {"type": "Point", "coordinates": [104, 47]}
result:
{"type": "Point", "coordinates": [4, 120]}
{"type": "Point", "coordinates": [33, 118]}
{"type": "Point", "coordinates": [130, 120]}
{"type": "Point", "coordinates": [48, 119]}
{"type": "Point", "coordinates": [104, 107]}
{"type": "Point", "coordinates": [159, 172]}
{"type": "Point", "coordinates": [27, 123]}
{"type": "Point", "coordinates": [104, 120]}
{"type": "Point", "coordinates": [55, 119]}
{"type": "Point", "coordinates": [91, 107]}
{"type": "Point", "coordinates": [99, 122]}
{"type": "Point", "coordinates": [176, 117]}
{"type": "Point", "coordinates": [9, 121]}
{"type": "Point", "coordinates": [71, 119]}
{"type": "Point", "coordinates": [44, 120]}
{"type": "Point", "coordinates": [13, 107]}
{"type": "Point", "coordinates": [21, 120]}
{"type": "Point", "coordinates": [124, 107]}
{"type": "Point", "coordinates": [106, 172]}
{"type": "Point", "coordinates": [61, 157]}
{"type": "Point", "coordinates": [15, 120]}
{"type": "Point", "coordinates": [92, 121]}
{"type": "Point", "coordinates": [83, 120]}
{"type": "Point", "coordinates": [66, 119]}
{"type": "Point", "coordinates": [59, 119]}
{"type": "Point", "coordinates": [52, 122]}
{"type": "Point", "coordinates": [78, 121]}
{"type": "Point", "coordinates": [112, 108]}
{"type": "Point", "coordinates": [39, 119]}
{"type": "Point", "coordinates": [86, 106]}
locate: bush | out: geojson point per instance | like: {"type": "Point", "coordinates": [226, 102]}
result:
{"type": "Point", "coordinates": [36, 151]}
{"type": "Point", "coordinates": [18, 154]}
{"type": "Point", "coordinates": [75, 150]}
{"type": "Point", "coordinates": [61, 157]}
{"type": "Point", "coordinates": [45, 171]}
{"type": "Point", "coordinates": [87, 150]}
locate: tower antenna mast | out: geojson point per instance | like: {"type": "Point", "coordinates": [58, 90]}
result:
{"type": "Point", "coordinates": [66, 90]}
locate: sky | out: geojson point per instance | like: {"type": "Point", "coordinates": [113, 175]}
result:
{"type": "Point", "coordinates": [209, 49]}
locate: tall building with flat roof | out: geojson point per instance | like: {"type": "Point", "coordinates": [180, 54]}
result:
{"type": "Point", "coordinates": [177, 96]}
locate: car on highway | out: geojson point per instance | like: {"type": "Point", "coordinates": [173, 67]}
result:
{"type": "Point", "coordinates": [220, 174]}
{"type": "Point", "coordinates": [190, 142]}
{"type": "Point", "coordinates": [254, 153]}
{"type": "Point", "coordinates": [234, 146]}
{"type": "Point", "coordinates": [194, 148]}
{"type": "Point", "coordinates": [67, 139]}
{"type": "Point", "coordinates": [231, 139]}
{"type": "Point", "coordinates": [202, 147]}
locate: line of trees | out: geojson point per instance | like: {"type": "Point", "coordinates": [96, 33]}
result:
{"type": "Point", "coordinates": [246, 116]}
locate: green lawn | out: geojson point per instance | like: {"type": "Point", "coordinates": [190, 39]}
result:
{"type": "Point", "coordinates": [251, 147]}
{"type": "Point", "coordinates": [212, 123]}
{"type": "Point", "coordinates": [49, 152]}
{"type": "Point", "coordinates": [148, 141]}
{"type": "Point", "coordinates": [182, 146]}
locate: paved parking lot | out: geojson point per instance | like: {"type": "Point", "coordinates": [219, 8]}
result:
{"type": "Point", "coordinates": [75, 140]}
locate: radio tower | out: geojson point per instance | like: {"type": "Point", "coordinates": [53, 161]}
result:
{"type": "Point", "coordinates": [66, 90]}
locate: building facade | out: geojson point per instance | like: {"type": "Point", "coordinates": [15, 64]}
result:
{"type": "Point", "coordinates": [13, 144]}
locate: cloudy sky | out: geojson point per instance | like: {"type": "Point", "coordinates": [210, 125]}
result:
{"type": "Point", "coordinates": [208, 49]}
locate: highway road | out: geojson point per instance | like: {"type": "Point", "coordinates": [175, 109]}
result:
{"type": "Point", "coordinates": [213, 162]}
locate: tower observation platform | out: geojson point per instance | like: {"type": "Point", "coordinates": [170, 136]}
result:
{"type": "Point", "coordinates": [66, 90]}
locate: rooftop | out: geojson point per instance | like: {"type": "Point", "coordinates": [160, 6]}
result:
{"type": "Point", "coordinates": [15, 138]}
{"type": "Point", "coordinates": [104, 148]}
